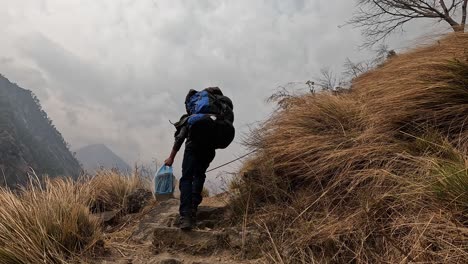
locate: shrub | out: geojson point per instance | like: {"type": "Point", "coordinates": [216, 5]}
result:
{"type": "Point", "coordinates": [110, 189]}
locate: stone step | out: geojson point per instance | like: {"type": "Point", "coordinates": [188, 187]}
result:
{"type": "Point", "coordinates": [197, 242]}
{"type": "Point", "coordinates": [210, 213]}
{"type": "Point", "coordinates": [207, 217]}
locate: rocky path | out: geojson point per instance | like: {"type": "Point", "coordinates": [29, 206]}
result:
{"type": "Point", "coordinates": [153, 237]}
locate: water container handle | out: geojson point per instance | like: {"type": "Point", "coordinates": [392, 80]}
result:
{"type": "Point", "coordinates": [165, 169]}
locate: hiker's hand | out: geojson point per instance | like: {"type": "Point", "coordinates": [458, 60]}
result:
{"type": "Point", "coordinates": [169, 161]}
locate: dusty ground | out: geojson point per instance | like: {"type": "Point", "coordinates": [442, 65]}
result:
{"type": "Point", "coordinates": [152, 236]}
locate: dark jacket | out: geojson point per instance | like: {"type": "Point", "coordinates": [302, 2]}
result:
{"type": "Point", "coordinates": [181, 133]}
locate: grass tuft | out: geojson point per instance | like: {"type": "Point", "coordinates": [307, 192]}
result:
{"type": "Point", "coordinates": [110, 189]}
{"type": "Point", "coordinates": [52, 221]}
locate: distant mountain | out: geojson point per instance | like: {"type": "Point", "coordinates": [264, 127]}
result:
{"type": "Point", "coordinates": [96, 156]}
{"type": "Point", "coordinates": [28, 139]}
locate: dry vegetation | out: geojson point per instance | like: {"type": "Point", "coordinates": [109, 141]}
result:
{"type": "Point", "coordinates": [52, 221]}
{"type": "Point", "coordinates": [110, 189]}
{"type": "Point", "coordinates": [376, 175]}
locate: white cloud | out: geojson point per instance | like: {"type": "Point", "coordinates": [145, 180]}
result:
{"type": "Point", "coordinates": [115, 72]}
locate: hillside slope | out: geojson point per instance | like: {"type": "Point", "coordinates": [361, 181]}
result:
{"type": "Point", "coordinates": [97, 156]}
{"type": "Point", "coordinates": [29, 139]}
{"type": "Point", "coordinates": [378, 174]}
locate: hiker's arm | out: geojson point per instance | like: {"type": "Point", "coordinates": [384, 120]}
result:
{"type": "Point", "coordinates": [169, 161]}
{"type": "Point", "coordinates": [179, 139]}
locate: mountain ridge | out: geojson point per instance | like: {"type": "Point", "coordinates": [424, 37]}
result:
{"type": "Point", "coordinates": [28, 138]}
{"type": "Point", "coordinates": [95, 156]}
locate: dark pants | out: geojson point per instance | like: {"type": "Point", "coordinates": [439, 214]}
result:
{"type": "Point", "coordinates": [196, 162]}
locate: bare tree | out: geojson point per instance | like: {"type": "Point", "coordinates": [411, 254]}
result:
{"type": "Point", "coordinates": [354, 69]}
{"type": "Point", "coordinates": [380, 18]}
{"type": "Point", "coordinates": [328, 80]}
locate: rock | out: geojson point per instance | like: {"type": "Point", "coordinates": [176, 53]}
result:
{"type": "Point", "coordinates": [207, 217]}
{"type": "Point", "coordinates": [109, 218]}
{"type": "Point", "coordinates": [164, 197]}
{"type": "Point", "coordinates": [210, 213]}
{"type": "Point", "coordinates": [162, 215]}
{"type": "Point", "coordinates": [137, 200]}
{"type": "Point", "coordinates": [134, 203]}
{"type": "Point", "coordinates": [125, 261]}
{"type": "Point", "coordinates": [193, 242]}
{"type": "Point", "coordinates": [170, 261]}
{"type": "Point", "coordinates": [207, 224]}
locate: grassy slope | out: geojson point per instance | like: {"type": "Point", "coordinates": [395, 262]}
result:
{"type": "Point", "coordinates": [54, 223]}
{"type": "Point", "coordinates": [375, 175]}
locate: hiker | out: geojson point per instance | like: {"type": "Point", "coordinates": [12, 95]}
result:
{"type": "Point", "coordinates": [207, 126]}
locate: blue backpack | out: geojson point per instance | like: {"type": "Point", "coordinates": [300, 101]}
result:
{"type": "Point", "coordinates": [211, 118]}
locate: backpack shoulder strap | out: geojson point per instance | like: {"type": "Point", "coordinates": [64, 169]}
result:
{"type": "Point", "coordinates": [182, 121]}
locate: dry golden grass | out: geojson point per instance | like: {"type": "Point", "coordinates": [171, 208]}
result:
{"type": "Point", "coordinates": [205, 192]}
{"type": "Point", "coordinates": [46, 224]}
{"type": "Point", "coordinates": [110, 189]}
{"type": "Point", "coordinates": [377, 175]}
{"type": "Point", "coordinates": [51, 222]}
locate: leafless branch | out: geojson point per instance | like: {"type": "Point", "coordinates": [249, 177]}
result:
{"type": "Point", "coordinates": [327, 80]}
{"type": "Point", "coordinates": [464, 7]}
{"type": "Point", "coordinates": [380, 18]}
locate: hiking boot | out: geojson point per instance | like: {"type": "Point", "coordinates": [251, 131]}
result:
{"type": "Point", "coordinates": [185, 223]}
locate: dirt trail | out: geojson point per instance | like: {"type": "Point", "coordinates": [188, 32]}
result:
{"type": "Point", "coordinates": [153, 237]}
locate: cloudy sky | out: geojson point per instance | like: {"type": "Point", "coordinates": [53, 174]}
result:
{"type": "Point", "coordinates": [115, 71]}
